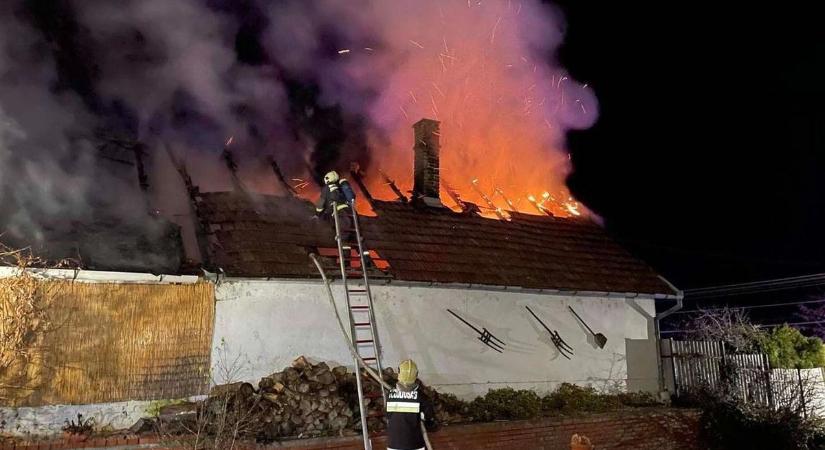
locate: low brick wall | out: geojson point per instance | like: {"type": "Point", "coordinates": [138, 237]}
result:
{"type": "Point", "coordinates": [639, 429]}
{"type": "Point", "coordinates": [646, 429]}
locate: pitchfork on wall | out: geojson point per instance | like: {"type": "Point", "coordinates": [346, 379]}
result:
{"type": "Point", "coordinates": [561, 346]}
{"type": "Point", "coordinates": [484, 336]}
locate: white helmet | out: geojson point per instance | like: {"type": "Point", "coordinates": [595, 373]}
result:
{"type": "Point", "coordinates": [331, 177]}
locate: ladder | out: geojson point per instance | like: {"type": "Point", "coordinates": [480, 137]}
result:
{"type": "Point", "coordinates": [363, 331]}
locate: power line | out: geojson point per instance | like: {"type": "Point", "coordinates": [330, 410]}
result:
{"type": "Point", "coordinates": [812, 280]}
{"type": "Point", "coordinates": [758, 325]}
{"type": "Point", "coordinates": [750, 306]}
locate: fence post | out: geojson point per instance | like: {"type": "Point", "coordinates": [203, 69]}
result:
{"type": "Point", "coordinates": [766, 363]}
{"type": "Point", "coordinates": [801, 393]}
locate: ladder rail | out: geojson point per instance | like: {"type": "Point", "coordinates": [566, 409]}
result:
{"type": "Point", "coordinates": [374, 327]}
{"type": "Point", "coordinates": [358, 382]}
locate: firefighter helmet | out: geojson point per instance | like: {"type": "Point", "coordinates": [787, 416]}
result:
{"type": "Point", "coordinates": [331, 177]}
{"type": "Point", "coordinates": [407, 372]}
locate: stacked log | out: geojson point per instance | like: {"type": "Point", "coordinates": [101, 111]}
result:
{"type": "Point", "coordinates": [303, 400]}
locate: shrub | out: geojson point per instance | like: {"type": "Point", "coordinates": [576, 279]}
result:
{"type": "Point", "coordinates": [787, 348]}
{"type": "Point", "coordinates": [569, 397]}
{"type": "Point", "coordinates": [729, 424]}
{"type": "Point", "coordinates": [506, 404]}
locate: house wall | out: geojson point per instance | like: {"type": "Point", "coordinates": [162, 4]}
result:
{"type": "Point", "coordinates": [262, 325]}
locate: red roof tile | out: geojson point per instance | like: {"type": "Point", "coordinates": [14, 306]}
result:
{"type": "Point", "coordinates": [267, 236]}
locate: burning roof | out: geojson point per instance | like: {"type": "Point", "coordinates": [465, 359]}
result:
{"type": "Point", "coordinates": [269, 236]}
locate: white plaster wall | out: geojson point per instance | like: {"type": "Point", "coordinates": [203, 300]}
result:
{"type": "Point", "coordinates": [262, 325]}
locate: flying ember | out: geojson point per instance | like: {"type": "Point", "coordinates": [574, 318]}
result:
{"type": "Point", "coordinates": [504, 109]}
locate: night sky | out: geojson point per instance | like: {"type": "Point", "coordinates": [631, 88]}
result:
{"type": "Point", "coordinates": [708, 157]}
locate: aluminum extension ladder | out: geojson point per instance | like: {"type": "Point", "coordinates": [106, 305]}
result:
{"type": "Point", "coordinates": [363, 330]}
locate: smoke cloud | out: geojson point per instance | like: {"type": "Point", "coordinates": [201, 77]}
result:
{"type": "Point", "coordinates": [315, 84]}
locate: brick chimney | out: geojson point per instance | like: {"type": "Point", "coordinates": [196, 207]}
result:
{"type": "Point", "coordinates": [426, 180]}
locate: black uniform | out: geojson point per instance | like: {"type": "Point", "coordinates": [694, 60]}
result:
{"type": "Point", "coordinates": [334, 192]}
{"type": "Point", "coordinates": [405, 410]}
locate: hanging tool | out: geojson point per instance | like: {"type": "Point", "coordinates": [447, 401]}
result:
{"type": "Point", "coordinates": [484, 336]}
{"type": "Point", "coordinates": [600, 339]}
{"type": "Point", "coordinates": [561, 346]}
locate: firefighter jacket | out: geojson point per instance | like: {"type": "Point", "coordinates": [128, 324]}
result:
{"type": "Point", "coordinates": [405, 411]}
{"type": "Point", "coordinates": [333, 192]}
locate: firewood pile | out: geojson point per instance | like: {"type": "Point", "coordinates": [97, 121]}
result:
{"type": "Point", "coordinates": [304, 400]}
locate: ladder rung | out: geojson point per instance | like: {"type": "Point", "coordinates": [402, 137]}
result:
{"type": "Point", "coordinates": [376, 413]}
{"type": "Point", "coordinates": [370, 358]}
{"type": "Point", "coordinates": [357, 291]}
{"type": "Point", "coordinates": [359, 307]}
{"type": "Point", "coordinates": [373, 394]}
{"type": "Point", "coordinates": [363, 341]}
{"type": "Point", "coordinates": [362, 324]}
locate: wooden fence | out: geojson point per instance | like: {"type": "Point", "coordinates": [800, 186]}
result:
{"type": "Point", "coordinates": [690, 366]}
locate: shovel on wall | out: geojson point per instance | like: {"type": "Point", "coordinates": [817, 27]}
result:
{"type": "Point", "coordinates": [600, 339]}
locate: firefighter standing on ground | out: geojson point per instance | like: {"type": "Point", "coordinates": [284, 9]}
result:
{"type": "Point", "coordinates": [407, 407]}
{"type": "Point", "coordinates": [338, 191]}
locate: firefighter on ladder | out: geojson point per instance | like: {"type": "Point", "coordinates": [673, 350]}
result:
{"type": "Point", "coordinates": [407, 407]}
{"type": "Point", "coordinates": [338, 191]}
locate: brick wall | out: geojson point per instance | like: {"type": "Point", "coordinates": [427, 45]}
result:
{"type": "Point", "coordinates": [645, 429]}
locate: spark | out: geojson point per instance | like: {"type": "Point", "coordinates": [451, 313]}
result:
{"type": "Point", "coordinates": [560, 80]}
{"type": "Point", "coordinates": [369, 49]}
{"type": "Point", "coordinates": [415, 100]}
{"type": "Point", "coordinates": [416, 44]}
{"type": "Point", "coordinates": [518, 10]}
{"type": "Point", "coordinates": [229, 141]}
{"type": "Point", "coordinates": [341, 52]}
{"type": "Point", "coordinates": [495, 27]}
{"type": "Point", "coordinates": [585, 86]}
{"type": "Point", "coordinates": [404, 112]}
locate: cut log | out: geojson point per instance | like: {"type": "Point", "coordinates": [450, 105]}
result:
{"type": "Point", "coordinates": [301, 363]}
{"type": "Point", "coordinates": [238, 390]}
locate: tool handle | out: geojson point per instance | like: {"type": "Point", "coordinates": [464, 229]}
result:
{"type": "Point", "coordinates": [580, 320]}
{"type": "Point", "coordinates": [465, 322]}
{"type": "Point", "coordinates": [539, 320]}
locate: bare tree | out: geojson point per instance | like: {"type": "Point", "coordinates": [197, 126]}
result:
{"type": "Point", "coordinates": [728, 325]}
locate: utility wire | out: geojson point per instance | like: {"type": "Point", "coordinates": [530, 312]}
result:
{"type": "Point", "coordinates": [772, 305]}
{"type": "Point", "coordinates": [757, 286]}
{"type": "Point", "coordinates": [758, 325]}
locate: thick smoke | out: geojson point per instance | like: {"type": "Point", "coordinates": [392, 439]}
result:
{"type": "Point", "coordinates": [316, 84]}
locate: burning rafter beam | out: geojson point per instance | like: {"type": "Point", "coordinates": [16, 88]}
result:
{"type": "Point", "coordinates": [499, 212]}
{"type": "Point", "coordinates": [229, 160]}
{"type": "Point", "coordinates": [506, 200]}
{"type": "Point", "coordinates": [541, 209]}
{"type": "Point", "coordinates": [143, 179]}
{"type": "Point", "coordinates": [355, 172]}
{"type": "Point", "coordinates": [454, 195]}
{"type": "Point", "coordinates": [391, 183]}
{"type": "Point", "coordinates": [280, 175]}
{"type": "Point", "coordinates": [194, 194]}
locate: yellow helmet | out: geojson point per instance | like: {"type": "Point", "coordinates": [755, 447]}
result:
{"type": "Point", "coordinates": [407, 372]}
{"type": "Point", "coordinates": [331, 177]}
